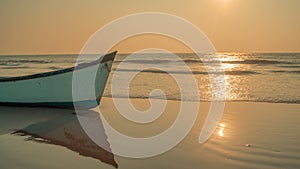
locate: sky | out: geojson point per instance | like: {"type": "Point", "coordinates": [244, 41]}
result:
{"type": "Point", "coordinates": [56, 26]}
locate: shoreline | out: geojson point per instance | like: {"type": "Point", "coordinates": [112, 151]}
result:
{"type": "Point", "coordinates": [207, 101]}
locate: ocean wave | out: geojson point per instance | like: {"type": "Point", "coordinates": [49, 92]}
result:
{"type": "Point", "coordinates": [55, 68]}
{"type": "Point", "coordinates": [286, 71]}
{"type": "Point", "coordinates": [256, 61]}
{"type": "Point", "coordinates": [247, 61]}
{"type": "Point", "coordinates": [234, 72]}
{"type": "Point", "coordinates": [154, 61]}
{"type": "Point", "coordinates": [16, 67]}
{"type": "Point", "coordinates": [207, 100]}
{"type": "Point", "coordinates": [290, 66]}
{"type": "Point", "coordinates": [7, 62]}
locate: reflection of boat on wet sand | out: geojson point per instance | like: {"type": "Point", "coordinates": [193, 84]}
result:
{"type": "Point", "coordinates": [54, 89]}
{"type": "Point", "coordinates": [66, 131]}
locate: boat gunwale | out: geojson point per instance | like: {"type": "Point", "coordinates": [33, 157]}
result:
{"type": "Point", "coordinates": [102, 59]}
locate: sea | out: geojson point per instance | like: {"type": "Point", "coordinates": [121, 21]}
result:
{"type": "Point", "coordinates": [254, 77]}
{"type": "Point", "coordinates": [259, 127]}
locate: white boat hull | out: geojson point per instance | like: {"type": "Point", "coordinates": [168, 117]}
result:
{"type": "Point", "coordinates": [54, 89]}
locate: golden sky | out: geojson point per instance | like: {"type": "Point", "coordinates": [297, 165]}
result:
{"type": "Point", "coordinates": [63, 26]}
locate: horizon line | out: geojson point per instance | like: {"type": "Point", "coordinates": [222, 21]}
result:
{"type": "Point", "coordinates": [219, 52]}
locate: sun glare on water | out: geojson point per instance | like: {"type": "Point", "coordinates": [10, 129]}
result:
{"type": "Point", "coordinates": [221, 129]}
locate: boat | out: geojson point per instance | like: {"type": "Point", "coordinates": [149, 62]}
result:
{"type": "Point", "coordinates": [55, 88]}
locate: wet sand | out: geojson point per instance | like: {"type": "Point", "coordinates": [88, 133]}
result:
{"type": "Point", "coordinates": [250, 135]}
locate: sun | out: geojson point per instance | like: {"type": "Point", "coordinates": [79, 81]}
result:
{"type": "Point", "coordinates": [224, 0]}
{"type": "Point", "coordinates": [224, 3]}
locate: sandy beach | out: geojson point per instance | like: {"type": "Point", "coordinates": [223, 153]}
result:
{"type": "Point", "coordinates": [250, 135]}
